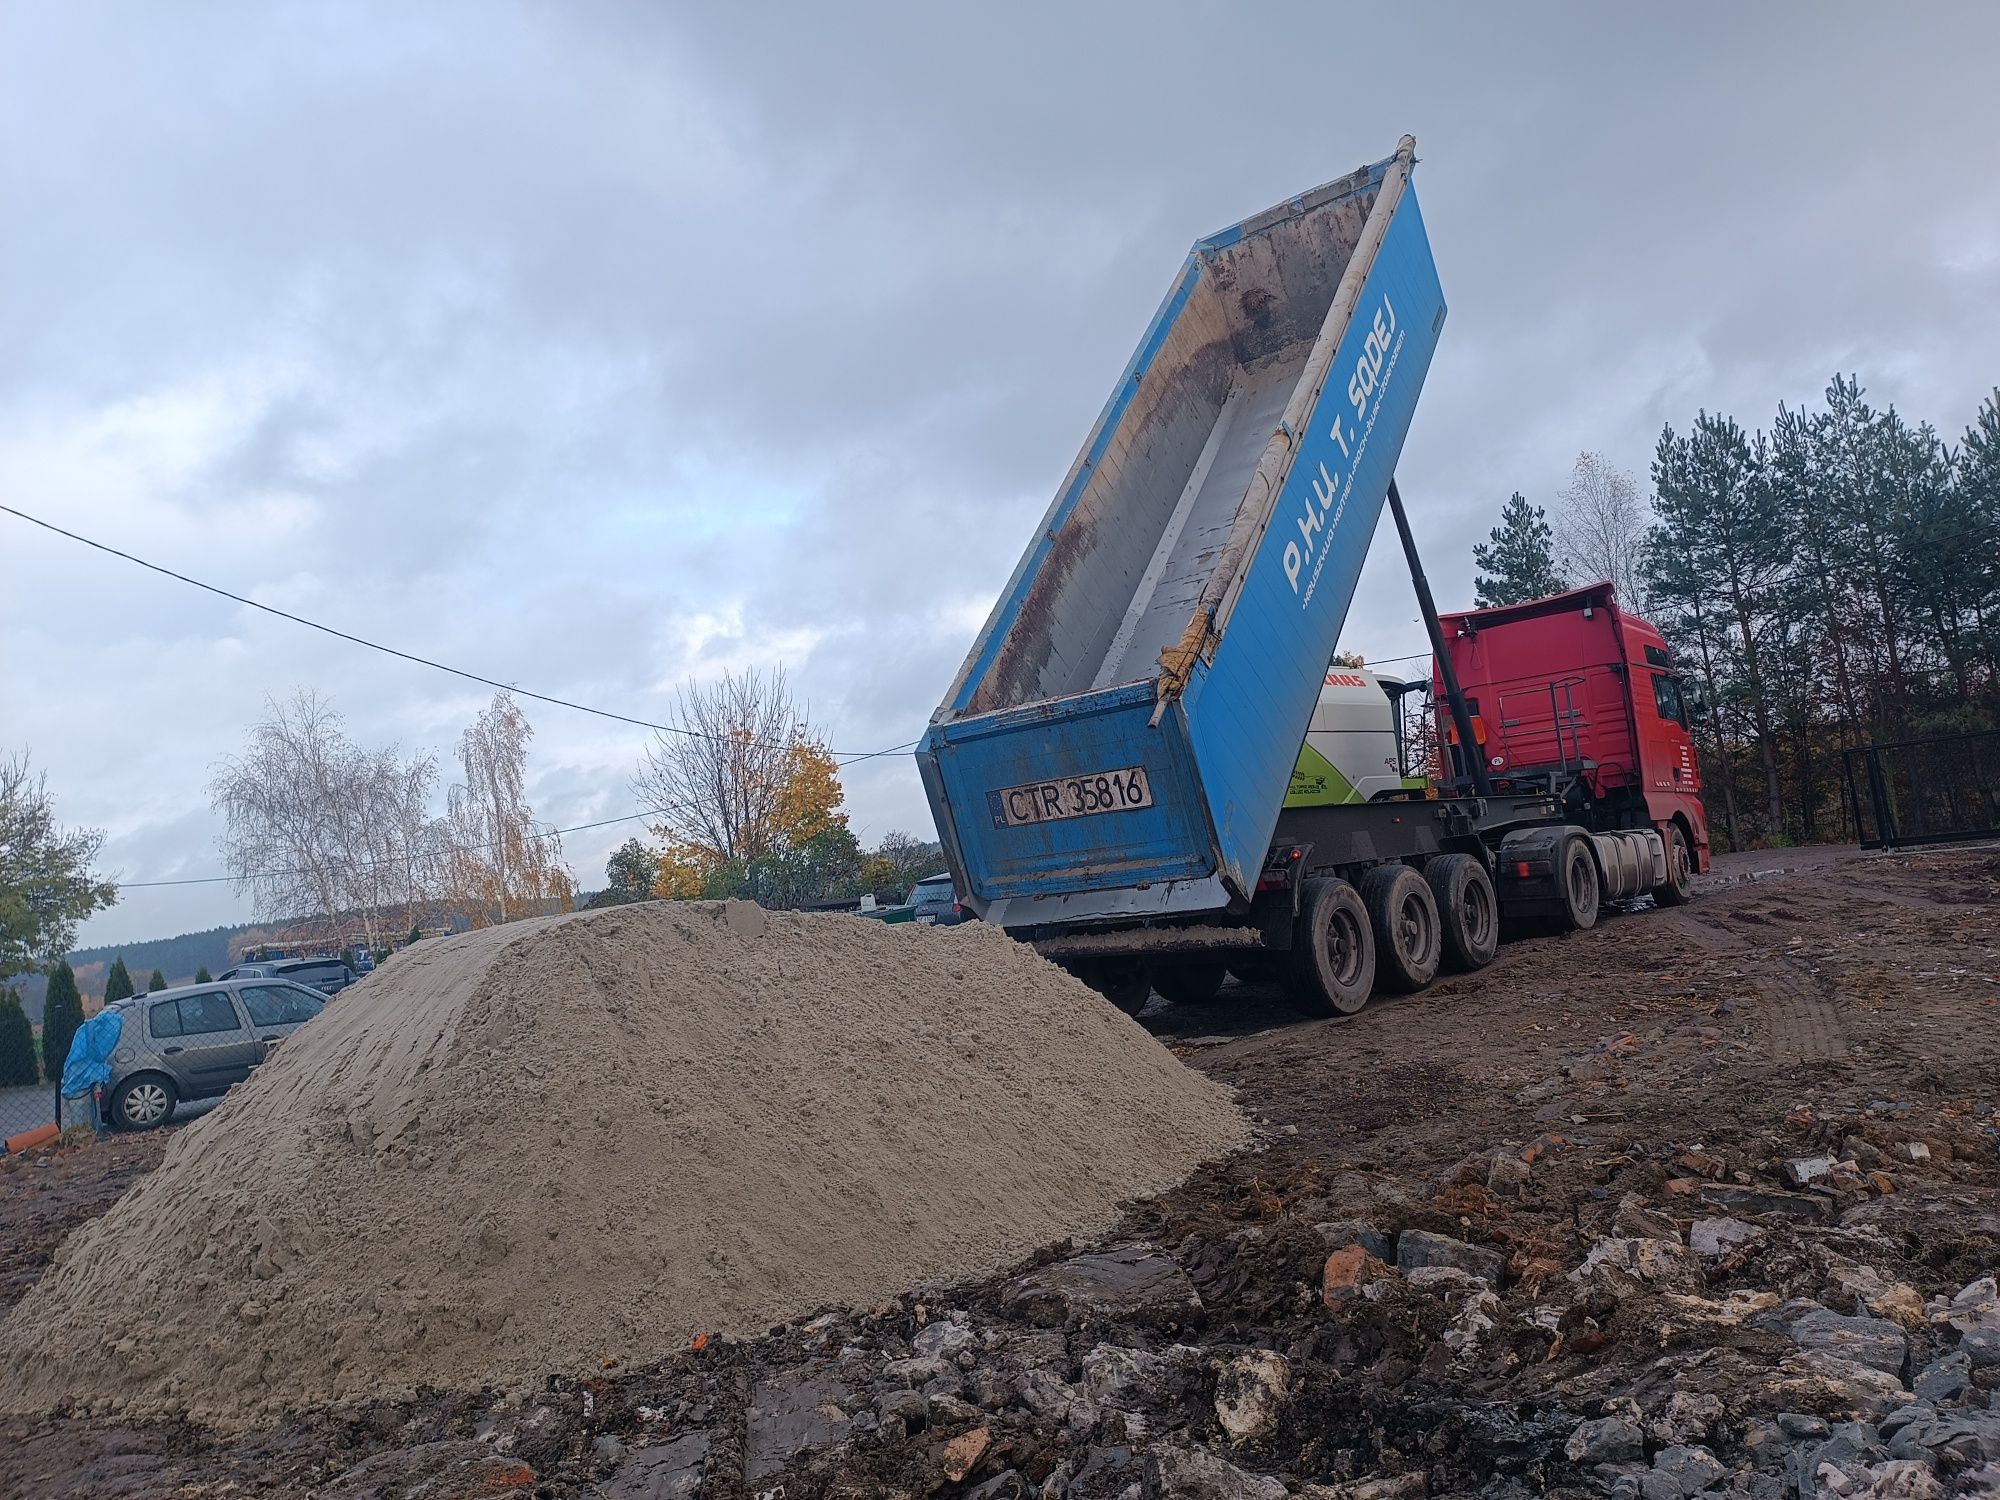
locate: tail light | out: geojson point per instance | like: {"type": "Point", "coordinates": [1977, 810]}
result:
{"type": "Point", "coordinates": [1279, 873]}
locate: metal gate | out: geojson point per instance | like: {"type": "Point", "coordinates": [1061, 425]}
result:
{"type": "Point", "coordinates": [1927, 791]}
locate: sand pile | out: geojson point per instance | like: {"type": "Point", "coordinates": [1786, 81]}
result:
{"type": "Point", "coordinates": [532, 1148]}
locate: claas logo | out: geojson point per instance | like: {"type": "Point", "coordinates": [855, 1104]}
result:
{"type": "Point", "coordinates": [1345, 679]}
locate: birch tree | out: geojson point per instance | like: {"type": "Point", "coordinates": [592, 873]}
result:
{"type": "Point", "coordinates": [1600, 529]}
{"type": "Point", "coordinates": [317, 830]}
{"type": "Point", "coordinates": [501, 862]}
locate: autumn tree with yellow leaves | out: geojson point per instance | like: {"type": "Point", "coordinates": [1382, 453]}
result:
{"type": "Point", "coordinates": [500, 863]}
{"type": "Point", "coordinates": [746, 797]}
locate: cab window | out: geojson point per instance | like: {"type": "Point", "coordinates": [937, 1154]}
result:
{"type": "Point", "coordinates": [1667, 699]}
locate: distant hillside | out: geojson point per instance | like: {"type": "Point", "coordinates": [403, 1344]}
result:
{"type": "Point", "coordinates": [176, 957]}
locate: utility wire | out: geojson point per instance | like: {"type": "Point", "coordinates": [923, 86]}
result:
{"type": "Point", "coordinates": [543, 833]}
{"type": "Point", "coordinates": [843, 757]}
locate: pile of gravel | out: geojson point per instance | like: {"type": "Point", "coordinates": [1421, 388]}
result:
{"type": "Point", "coordinates": [591, 1137]}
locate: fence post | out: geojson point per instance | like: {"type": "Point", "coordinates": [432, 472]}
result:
{"type": "Point", "coordinates": [1885, 822]}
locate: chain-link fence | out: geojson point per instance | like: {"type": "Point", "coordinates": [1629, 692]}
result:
{"type": "Point", "coordinates": [23, 1109]}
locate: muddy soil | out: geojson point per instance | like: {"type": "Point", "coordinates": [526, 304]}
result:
{"type": "Point", "coordinates": [1676, 1206]}
{"type": "Point", "coordinates": [46, 1194]}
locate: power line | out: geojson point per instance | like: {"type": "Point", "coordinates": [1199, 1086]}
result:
{"type": "Point", "coordinates": [842, 757]}
{"type": "Point", "coordinates": [1370, 664]}
{"type": "Point", "coordinates": [545, 833]}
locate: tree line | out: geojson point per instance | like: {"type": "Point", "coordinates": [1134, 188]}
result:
{"type": "Point", "coordinates": [342, 842]}
{"type": "Point", "coordinates": [1828, 581]}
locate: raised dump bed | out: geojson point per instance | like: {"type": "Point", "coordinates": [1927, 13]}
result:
{"type": "Point", "coordinates": [1120, 739]}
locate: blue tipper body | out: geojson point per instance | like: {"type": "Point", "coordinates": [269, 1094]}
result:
{"type": "Point", "coordinates": [1212, 713]}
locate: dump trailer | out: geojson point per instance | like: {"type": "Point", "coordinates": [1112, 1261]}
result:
{"type": "Point", "coordinates": [1111, 768]}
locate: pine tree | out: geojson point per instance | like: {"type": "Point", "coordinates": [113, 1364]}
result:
{"type": "Point", "coordinates": [1518, 563]}
{"type": "Point", "coordinates": [1720, 547]}
{"type": "Point", "coordinates": [118, 983]}
{"type": "Point", "coordinates": [1979, 490]}
{"type": "Point", "coordinates": [17, 1043]}
{"type": "Point", "coordinates": [416, 933]}
{"type": "Point", "coordinates": [155, 982]}
{"type": "Point", "coordinates": [202, 976]}
{"type": "Point", "coordinates": [62, 1013]}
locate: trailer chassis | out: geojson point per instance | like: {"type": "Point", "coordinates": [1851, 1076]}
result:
{"type": "Point", "coordinates": [1390, 890]}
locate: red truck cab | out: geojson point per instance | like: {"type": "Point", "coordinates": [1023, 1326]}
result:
{"type": "Point", "coordinates": [1573, 696]}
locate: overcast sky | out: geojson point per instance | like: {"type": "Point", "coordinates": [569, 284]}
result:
{"type": "Point", "coordinates": [593, 346]}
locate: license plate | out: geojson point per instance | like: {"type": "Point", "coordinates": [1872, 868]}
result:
{"type": "Point", "coordinates": [1070, 797]}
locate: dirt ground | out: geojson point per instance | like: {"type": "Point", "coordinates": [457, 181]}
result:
{"type": "Point", "coordinates": [1676, 1206]}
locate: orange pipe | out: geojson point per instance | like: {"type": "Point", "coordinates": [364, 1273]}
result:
{"type": "Point", "coordinates": [27, 1140]}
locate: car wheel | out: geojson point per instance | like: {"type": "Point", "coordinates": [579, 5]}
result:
{"type": "Point", "coordinates": [142, 1102]}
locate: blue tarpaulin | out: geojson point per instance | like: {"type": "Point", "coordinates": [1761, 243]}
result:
{"type": "Point", "coordinates": [89, 1060]}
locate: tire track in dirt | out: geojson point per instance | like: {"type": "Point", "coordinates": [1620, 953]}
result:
{"type": "Point", "coordinates": [1795, 1003]}
{"type": "Point", "coordinates": [1799, 1012]}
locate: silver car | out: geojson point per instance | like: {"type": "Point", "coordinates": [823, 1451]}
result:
{"type": "Point", "coordinates": [195, 1041]}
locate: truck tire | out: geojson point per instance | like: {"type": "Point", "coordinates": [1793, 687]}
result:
{"type": "Point", "coordinates": [1468, 910]}
{"type": "Point", "coordinates": [1332, 963]}
{"type": "Point", "coordinates": [1263, 968]}
{"type": "Point", "coordinates": [1577, 885]}
{"type": "Point", "coordinates": [1127, 986]}
{"type": "Point", "coordinates": [1680, 871]}
{"type": "Point", "coordinates": [1404, 914]}
{"type": "Point", "coordinates": [1191, 983]}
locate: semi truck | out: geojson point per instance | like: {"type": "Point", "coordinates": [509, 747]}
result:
{"type": "Point", "coordinates": [1139, 770]}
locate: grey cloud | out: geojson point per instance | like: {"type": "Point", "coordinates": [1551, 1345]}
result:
{"type": "Point", "coordinates": [593, 345]}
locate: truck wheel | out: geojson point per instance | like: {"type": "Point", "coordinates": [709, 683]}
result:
{"type": "Point", "coordinates": [1404, 914]}
{"type": "Point", "coordinates": [1680, 871]}
{"type": "Point", "coordinates": [1189, 983]}
{"type": "Point", "coordinates": [1332, 962]}
{"type": "Point", "coordinates": [1261, 969]}
{"type": "Point", "coordinates": [1576, 878]}
{"type": "Point", "coordinates": [1127, 986]}
{"type": "Point", "coordinates": [1468, 911]}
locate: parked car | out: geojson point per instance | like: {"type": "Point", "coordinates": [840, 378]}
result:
{"type": "Point", "coordinates": [901, 912]}
{"type": "Point", "coordinates": [937, 902]}
{"type": "Point", "coordinates": [194, 1041]}
{"type": "Point", "coordinates": [260, 970]}
{"type": "Point", "coordinates": [327, 975]}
